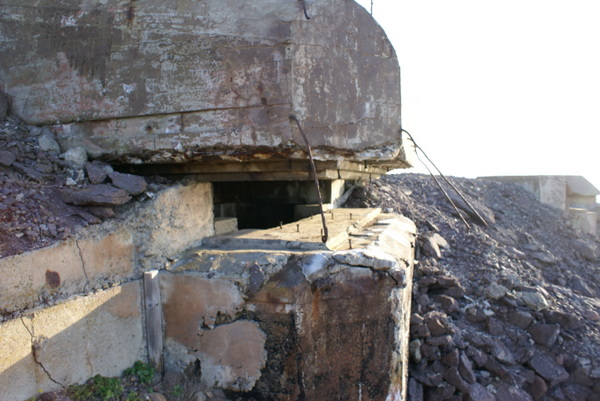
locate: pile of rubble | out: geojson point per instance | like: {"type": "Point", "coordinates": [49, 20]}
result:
{"type": "Point", "coordinates": [46, 193]}
{"type": "Point", "coordinates": [505, 310]}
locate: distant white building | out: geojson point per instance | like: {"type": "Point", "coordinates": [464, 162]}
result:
{"type": "Point", "coordinates": [572, 193]}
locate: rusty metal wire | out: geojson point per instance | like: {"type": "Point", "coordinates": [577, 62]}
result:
{"type": "Point", "coordinates": [475, 212]}
{"type": "Point", "coordinates": [304, 9]}
{"type": "Point", "coordinates": [325, 234]}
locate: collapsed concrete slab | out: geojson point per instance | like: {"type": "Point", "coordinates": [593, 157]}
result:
{"type": "Point", "coordinates": [149, 82]}
{"type": "Point", "coordinates": [304, 323]}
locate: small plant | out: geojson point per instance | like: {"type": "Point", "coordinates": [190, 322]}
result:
{"type": "Point", "coordinates": [178, 391]}
{"type": "Point", "coordinates": [133, 396]}
{"type": "Point", "coordinates": [142, 371]}
{"type": "Point", "coordinates": [97, 388]}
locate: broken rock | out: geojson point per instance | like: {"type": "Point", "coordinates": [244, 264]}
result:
{"type": "Point", "coordinates": [133, 184]}
{"type": "Point", "coordinates": [96, 195]}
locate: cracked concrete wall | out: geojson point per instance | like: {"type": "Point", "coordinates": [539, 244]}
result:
{"type": "Point", "coordinates": [115, 252]}
{"type": "Point", "coordinates": [306, 325]}
{"type": "Point", "coordinates": [73, 310]}
{"type": "Point", "coordinates": [68, 343]}
{"type": "Point", "coordinates": [156, 82]}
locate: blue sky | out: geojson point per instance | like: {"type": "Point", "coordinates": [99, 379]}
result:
{"type": "Point", "coordinates": [500, 88]}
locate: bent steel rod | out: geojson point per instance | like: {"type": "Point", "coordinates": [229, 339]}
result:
{"type": "Point", "coordinates": [325, 235]}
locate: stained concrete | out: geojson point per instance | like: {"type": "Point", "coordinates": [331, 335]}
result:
{"type": "Point", "coordinates": [68, 343]}
{"type": "Point", "coordinates": [152, 82]}
{"type": "Point", "coordinates": [117, 251]}
{"type": "Point", "coordinates": [335, 323]}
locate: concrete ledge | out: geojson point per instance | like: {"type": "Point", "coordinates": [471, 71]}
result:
{"type": "Point", "coordinates": [69, 268]}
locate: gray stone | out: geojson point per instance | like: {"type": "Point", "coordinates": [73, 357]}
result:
{"type": "Point", "coordinates": [414, 350]}
{"type": "Point", "coordinates": [466, 369]}
{"type": "Point", "coordinates": [437, 325]}
{"type": "Point", "coordinates": [47, 143]}
{"type": "Point", "coordinates": [544, 257]}
{"type": "Point", "coordinates": [520, 319]}
{"type": "Point", "coordinates": [133, 184]}
{"type": "Point", "coordinates": [477, 392]}
{"type": "Point", "coordinates": [449, 304]}
{"type": "Point", "coordinates": [3, 106]}
{"type": "Point", "coordinates": [75, 157]}
{"type": "Point", "coordinates": [581, 286]}
{"type": "Point", "coordinates": [506, 392]}
{"type": "Point", "coordinates": [415, 390]}
{"type": "Point", "coordinates": [495, 291]}
{"type": "Point", "coordinates": [586, 250]}
{"type": "Point", "coordinates": [6, 158]}
{"type": "Point", "coordinates": [95, 172]}
{"type": "Point", "coordinates": [545, 334]}
{"type": "Point", "coordinates": [451, 358]}
{"type": "Point", "coordinates": [28, 171]}
{"type": "Point", "coordinates": [545, 366]}
{"type": "Point", "coordinates": [95, 195]}
{"type": "Point", "coordinates": [452, 376]}
{"type": "Point", "coordinates": [537, 389]}
{"type": "Point", "coordinates": [478, 357]}
{"type": "Point", "coordinates": [502, 353]}
{"type": "Point", "coordinates": [534, 300]}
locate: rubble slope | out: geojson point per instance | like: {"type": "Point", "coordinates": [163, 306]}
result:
{"type": "Point", "coordinates": [507, 311]}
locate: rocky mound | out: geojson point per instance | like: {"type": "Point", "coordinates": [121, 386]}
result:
{"type": "Point", "coordinates": [507, 311]}
{"type": "Point", "coordinates": [46, 194]}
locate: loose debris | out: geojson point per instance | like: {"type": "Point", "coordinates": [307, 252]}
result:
{"type": "Point", "coordinates": [509, 312]}
{"type": "Point", "coordinates": [46, 195]}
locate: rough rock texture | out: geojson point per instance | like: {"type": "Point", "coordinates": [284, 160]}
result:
{"type": "Point", "coordinates": [524, 327]}
{"type": "Point", "coordinates": [155, 82]}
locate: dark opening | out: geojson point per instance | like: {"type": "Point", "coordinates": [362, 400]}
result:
{"type": "Point", "coordinates": [264, 204]}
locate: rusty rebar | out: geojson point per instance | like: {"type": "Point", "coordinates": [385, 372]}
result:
{"type": "Point", "coordinates": [325, 234]}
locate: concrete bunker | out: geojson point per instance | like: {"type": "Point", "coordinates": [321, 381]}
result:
{"type": "Point", "coordinates": [205, 90]}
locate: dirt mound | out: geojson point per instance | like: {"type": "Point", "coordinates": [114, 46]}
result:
{"type": "Point", "coordinates": [507, 311]}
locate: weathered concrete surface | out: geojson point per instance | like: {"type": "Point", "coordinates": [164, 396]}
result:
{"type": "Point", "coordinates": [584, 219]}
{"type": "Point", "coordinates": [71, 267]}
{"type": "Point", "coordinates": [153, 82]}
{"type": "Point", "coordinates": [333, 325]}
{"type": "Point", "coordinates": [176, 219]}
{"type": "Point", "coordinates": [574, 194]}
{"type": "Point", "coordinates": [70, 342]}
{"type": "Point", "coordinates": [232, 355]}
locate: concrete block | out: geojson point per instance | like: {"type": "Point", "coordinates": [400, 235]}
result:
{"type": "Point", "coordinates": [65, 269]}
{"type": "Point", "coordinates": [235, 77]}
{"type": "Point", "coordinates": [177, 219]}
{"type": "Point", "coordinates": [51, 270]}
{"type": "Point", "coordinates": [68, 343]}
{"type": "Point", "coordinates": [584, 220]}
{"type": "Point", "coordinates": [225, 225]}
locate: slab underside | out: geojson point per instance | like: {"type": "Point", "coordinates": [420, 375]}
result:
{"type": "Point", "coordinates": [272, 170]}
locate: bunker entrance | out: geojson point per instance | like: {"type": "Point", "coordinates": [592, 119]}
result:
{"type": "Point", "coordinates": [266, 204]}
